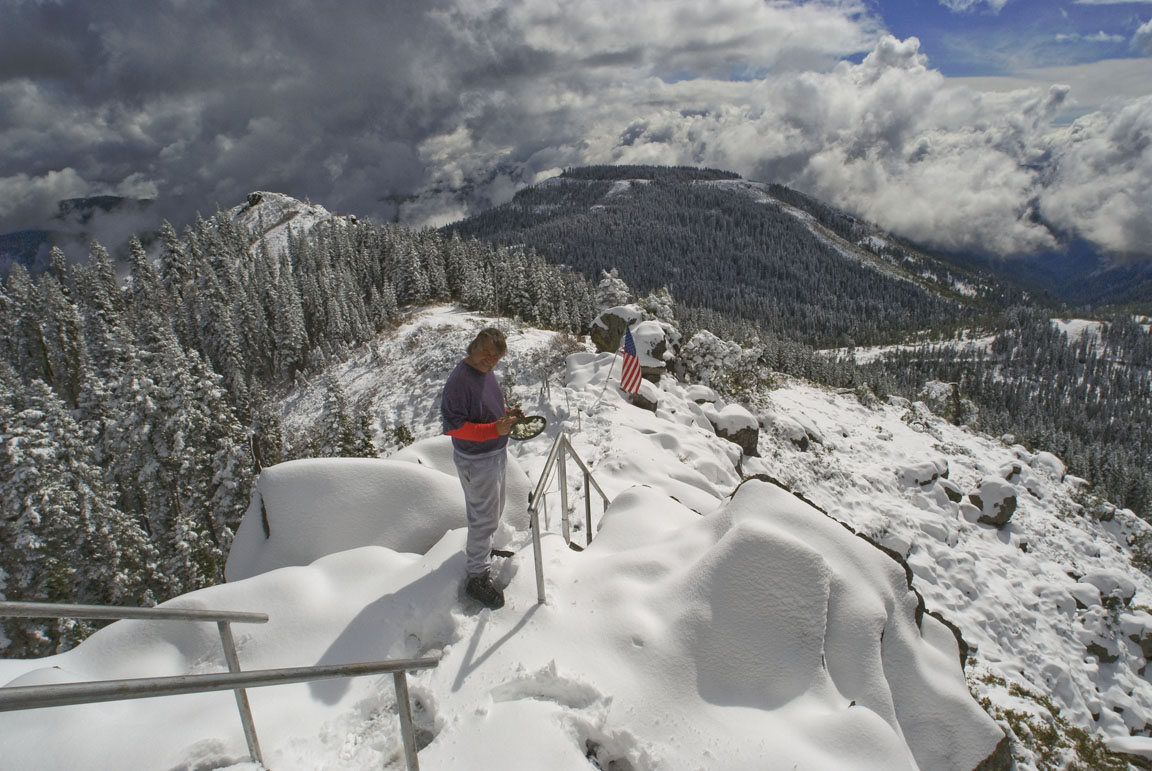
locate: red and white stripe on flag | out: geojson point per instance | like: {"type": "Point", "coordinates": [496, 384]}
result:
{"type": "Point", "coordinates": [630, 377]}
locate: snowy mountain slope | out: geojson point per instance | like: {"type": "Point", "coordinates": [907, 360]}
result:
{"type": "Point", "coordinates": [632, 660]}
{"type": "Point", "coordinates": [1015, 593]}
{"type": "Point", "coordinates": [878, 251]}
{"type": "Point", "coordinates": [763, 252]}
{"type": "Point", "coordinates": [759, 631]}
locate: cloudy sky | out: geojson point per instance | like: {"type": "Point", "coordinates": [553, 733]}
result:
{"type": "Point", "coordinates": [992, 125]}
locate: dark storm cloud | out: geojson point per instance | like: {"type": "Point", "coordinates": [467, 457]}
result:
{"type": "Point", "coordinates": [209, 100]}
{"type": "Point", "coordinates": [448, 105]}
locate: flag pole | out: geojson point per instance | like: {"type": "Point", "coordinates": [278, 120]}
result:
{"type": "Point", "coordinates": [607, 378]}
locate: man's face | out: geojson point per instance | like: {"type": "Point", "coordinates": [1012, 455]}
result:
{"type": "Point", "coordinates": [484, 358]}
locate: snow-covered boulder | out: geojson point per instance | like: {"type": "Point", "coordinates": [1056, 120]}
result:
{"type": "Point", "coordinates": [654, 347]}
{"type": "Point", "coordinates": [737, 425]}
{"type": "Point", "coordinates": [1137, 627]}
{"type": "Point", "coordinates": [789, 429]}
{"type": "Point", "coordinates": [700, 394]}
{"type": "Point", "coordinates": [1085, 595]}
{"type": "Point", "coordinates": [782, 605]}
{"type": "Point", "coordinates": [1111, 583]}
{"type": "Point", "coordinates": [405, 505]}
{"type": "Point", "coordinates": [951, 490]}
{"type": "Point", "coordinates": [1020, 474]}
{"type": "Point", "coordinates": [647, 398]}
{"type": "Point", "coordinates": [1049, 465]}
{"type": "Point", "coordinates": [607, 332]}
{"type": "Point", "coordinates": [996, 500]}
{"type": "Point", "coordinates": [656, 341]}
{"type": "Point", "coordinates": [925, 473]}
{"type": "Point", "coordinates": [1137, 750]}
{"type": "Point", "coordinates": [795, 427]}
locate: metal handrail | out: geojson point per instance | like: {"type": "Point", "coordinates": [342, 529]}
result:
{"type": "Point", "coordinates": [40, 696]}
{"type": "Point", "coordinates": [61, 610]}
{"type": "Point", "coordinates": [19, 697]}
{"type": "Point", "coordinates": [561, 448]}
{"type": "Point", "coordinates": [223, 619]}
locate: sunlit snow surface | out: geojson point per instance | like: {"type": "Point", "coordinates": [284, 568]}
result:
{"type": "Point", "coordinates": [700, 630]}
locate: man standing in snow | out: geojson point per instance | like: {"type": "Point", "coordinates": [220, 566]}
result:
{"type": "Point", "coordinates": [472, 410]}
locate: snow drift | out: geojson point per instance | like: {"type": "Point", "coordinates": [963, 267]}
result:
{"type": "Point", "coordinates": [764, 634]}
{"type": "Point", "coordinates": [305, 509]}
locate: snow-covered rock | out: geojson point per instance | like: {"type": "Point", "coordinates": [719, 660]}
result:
{"type": "Point", "coordinates": [600, 670]}
{"type": "Point", "coordinates": [608, 328]}
{"type": "Point", "coordinates": [737, 425]}
{"type": "Point", "coordinates": [996, 500]}
{"type": "Point", "coordinates": [1111, 583]}
{"type": "Point", "coordinates": [700, 393]}
{"type": "Point", "coordinates": [306, 509]}
{"type": "Point", "coordinates": [1048, 464]}
{"type": "Point", "coordinates": [924, 473]}
{"type": "Point", "coordinates": [945, 400]}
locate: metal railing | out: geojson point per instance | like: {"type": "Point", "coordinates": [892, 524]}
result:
{"type": "Point", "coordinates": [561, 448]}
{"type": "Point", "coordinates": [39, 696]}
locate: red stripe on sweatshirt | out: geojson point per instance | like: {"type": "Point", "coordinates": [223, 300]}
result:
{"type": "Point", "coordinates": [475, 432]}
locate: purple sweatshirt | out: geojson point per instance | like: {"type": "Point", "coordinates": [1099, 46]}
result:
{"type": "Point", "coordinates": [472, 396]}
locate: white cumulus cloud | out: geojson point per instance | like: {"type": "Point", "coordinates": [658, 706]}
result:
{"type": "Point", "coordinates": [1142, 39]}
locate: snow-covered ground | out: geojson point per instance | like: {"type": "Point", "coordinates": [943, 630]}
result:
{"type": "Point", "coordinates": [1076, 329]}
{"type": "Point", "coordinates": [866, 354]}
{"type": "Point", "coordinates": [701, 629]}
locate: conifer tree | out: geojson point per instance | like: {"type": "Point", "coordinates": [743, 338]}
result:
{"type": "Point", "coordinates": [63, 538]}
{"type": "Point", "coordinates": [612, 291]}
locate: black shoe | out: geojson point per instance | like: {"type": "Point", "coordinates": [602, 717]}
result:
{"type": "Point", "coordinates": [481, 588]}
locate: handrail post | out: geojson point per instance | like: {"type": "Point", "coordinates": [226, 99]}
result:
{"type": "Point", "coordinates": [241, 694]}
{"type": "Point", "coordinates": [588, 508]}
{"type": "Point", "coordinates": [534, 514]}
{"type": "Point", "coordinates": [562, 477]}
{"type": "Point", "coordinates": [407, 732]}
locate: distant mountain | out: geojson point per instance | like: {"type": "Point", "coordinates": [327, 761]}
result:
{"type": "Point", "coordinates": [27, 247]}
{"type": "Point", "coordinates": [77, 223]}
{"type": "Point", "coordinates": [761, 252]}
{"type": "Point", "coordinates": [1077, 275]}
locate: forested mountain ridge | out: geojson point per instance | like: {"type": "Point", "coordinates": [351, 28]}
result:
{"type": "Point", "coordinates": [794, 267]}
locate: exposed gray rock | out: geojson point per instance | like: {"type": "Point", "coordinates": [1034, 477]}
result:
{"type": "Point", "coordinates": [608, 330]}
{"type": "Point", "coordinates": [951, 489]}
{"type": "Point", "coordinates": [643, 402]}
{"type": "Point", "coordinates": [1000, 759]}
{"type": "Point", "coordinates": [747, 438]}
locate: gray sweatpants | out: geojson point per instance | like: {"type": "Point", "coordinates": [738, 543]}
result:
{"type": "Point", "coordinates": [483, 481]}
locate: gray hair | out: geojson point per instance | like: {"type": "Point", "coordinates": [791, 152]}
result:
{"type": "Point", "coordinates": [490, 336]}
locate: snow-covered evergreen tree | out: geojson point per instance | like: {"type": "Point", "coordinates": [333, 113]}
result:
{"type": "Point", "coordinates": [612, 291]}
{"type": "Point", "coordinates": [62, 538]}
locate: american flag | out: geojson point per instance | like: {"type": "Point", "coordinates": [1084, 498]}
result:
{"type": "Point", "coordinates": [630, 377]}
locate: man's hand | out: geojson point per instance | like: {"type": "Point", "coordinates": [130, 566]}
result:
{"type": "Point", "coordinates": [504, 425]}
{"type": "Point", "coordinates": [515, 412]}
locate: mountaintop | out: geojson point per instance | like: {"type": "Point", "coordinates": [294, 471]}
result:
{"type": "Point", "coordinates": [764, 253]}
